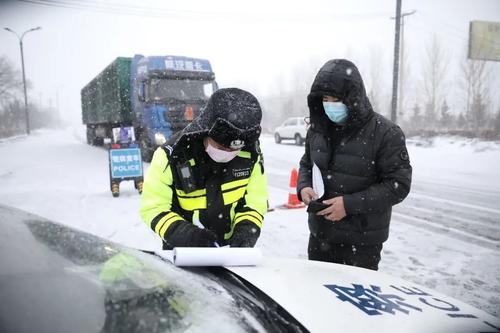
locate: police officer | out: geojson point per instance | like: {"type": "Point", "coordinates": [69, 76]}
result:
{"type": "Point", "coordinates": [207, 185]}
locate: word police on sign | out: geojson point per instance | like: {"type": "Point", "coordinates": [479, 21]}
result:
{"type": "Point", "coordinates": [125, 163]}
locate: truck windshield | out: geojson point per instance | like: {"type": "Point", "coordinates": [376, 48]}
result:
{"type": "Point", "coordinates": [161, 89]}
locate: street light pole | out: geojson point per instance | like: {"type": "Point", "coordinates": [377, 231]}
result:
{"type": "Point", "coordinates": [24, 76]}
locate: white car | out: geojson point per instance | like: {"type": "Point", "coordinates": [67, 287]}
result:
{"type": "Point", "coordinates": [57, 279]}
{"type": "Point", "coordinates": [293, 128]}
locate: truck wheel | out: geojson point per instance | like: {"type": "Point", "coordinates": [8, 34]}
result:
{"type": "Point", "coordinates": [90, 136]}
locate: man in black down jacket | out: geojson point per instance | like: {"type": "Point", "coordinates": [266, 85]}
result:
{"type": "Point", "coordinates": [364, 166]}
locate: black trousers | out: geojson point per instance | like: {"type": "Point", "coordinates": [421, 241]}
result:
{"type": "Point", "coordinates": [366, 256]}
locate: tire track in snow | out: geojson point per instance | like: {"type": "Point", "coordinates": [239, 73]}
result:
{"type": "Point", "coordinates": [451, 232]}
{"type": "Point", "coordinates": [440, 213]}
{"type": "Point", "coordinates": [454, 202]}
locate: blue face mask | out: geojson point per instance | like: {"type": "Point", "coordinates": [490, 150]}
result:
{"type": "Point", "coordinates": [336, 111]}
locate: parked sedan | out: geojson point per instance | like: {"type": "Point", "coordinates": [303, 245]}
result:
{"type": "Point", "coordinates": [57, 279]}
{"type": "Point", "coordinates": [292, 129]}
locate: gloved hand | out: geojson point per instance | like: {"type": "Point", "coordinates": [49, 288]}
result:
{"type": "Point", "coordinates": [185, 234]}
{"type": "Point", "coordinates": [245, 234]}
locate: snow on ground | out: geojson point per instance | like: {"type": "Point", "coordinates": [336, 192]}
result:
{"type": "Point", "coordinates": [56, 175]}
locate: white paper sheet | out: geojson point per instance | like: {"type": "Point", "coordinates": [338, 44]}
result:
{"type": "Point", "coordinates": [213, 256]}
{"type": "Point", "coordinates": [317, 180]}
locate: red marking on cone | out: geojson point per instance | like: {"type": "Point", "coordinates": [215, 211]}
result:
{"type": "Point", "coordinates": [293, 200]}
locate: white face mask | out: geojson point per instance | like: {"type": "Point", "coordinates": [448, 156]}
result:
{"type": "Point", "coordinates": [219, 155]}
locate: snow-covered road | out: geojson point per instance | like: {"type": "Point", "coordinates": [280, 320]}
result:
{"type": "Point", "coordinates": [465, 211]}
{"type": "Point", "coordinates": [445, 235]}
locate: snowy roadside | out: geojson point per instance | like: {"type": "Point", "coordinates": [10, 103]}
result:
{"type": "Point", "coordinates": [56, 175]}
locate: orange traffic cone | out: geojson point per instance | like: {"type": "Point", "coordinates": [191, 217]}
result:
{"type": "Point", "coordinates": [293, 200]}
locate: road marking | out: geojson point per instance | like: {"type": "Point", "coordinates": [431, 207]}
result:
{"type": "Point", "coordinates": [454, 217]}
{"type": "Point", "coordinates": [460, 232]}
{"type": "Point", "coordinates": [455, 188]}
{"type": "Point", "coordinates": [456, 203]}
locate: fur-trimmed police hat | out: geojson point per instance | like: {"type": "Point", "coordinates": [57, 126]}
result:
{"type": "Point", "coordinates": [232, 117]}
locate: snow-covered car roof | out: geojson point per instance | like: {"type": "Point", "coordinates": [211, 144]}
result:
{"type": "Point", "coordinates": [57, 279]}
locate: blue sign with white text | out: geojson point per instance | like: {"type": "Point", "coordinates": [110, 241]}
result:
{"type": "Point", "coordinates": [125, 163]}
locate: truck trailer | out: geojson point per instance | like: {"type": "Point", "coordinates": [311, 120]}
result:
{"type": "Point", "coordinates": [156, 95]}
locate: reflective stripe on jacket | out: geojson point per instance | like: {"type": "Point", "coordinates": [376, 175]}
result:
{"type": "Point", "coordinates": [219, 202]}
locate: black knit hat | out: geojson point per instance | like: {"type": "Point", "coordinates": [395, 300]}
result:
{"type": "Point", "coordinates": [232, 118]}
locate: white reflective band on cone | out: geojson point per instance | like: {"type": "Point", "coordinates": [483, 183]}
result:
{"type": "Point", "coordinates": [213, 256]}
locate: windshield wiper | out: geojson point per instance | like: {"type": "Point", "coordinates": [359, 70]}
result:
{"type": "Point", "coordinates": [272, 315]}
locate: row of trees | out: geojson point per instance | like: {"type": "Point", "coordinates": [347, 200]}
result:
{"type": "Point", "coordinates": [12, 113]}
{"type": "Point", "coordinates": [475, 110]}
{"type": "Point", "coordinates": [436, 96]}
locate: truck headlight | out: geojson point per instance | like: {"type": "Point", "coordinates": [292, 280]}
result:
{"type": "Point", "coordinates": [160, 139]}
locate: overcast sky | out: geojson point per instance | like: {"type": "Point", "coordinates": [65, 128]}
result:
{"type": "Point", "coordinates": [254, 45]}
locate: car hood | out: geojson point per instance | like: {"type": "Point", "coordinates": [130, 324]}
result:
{"type": "Point", "coordinates": [331, 297]}
{"type": "Point", "coordinates": [57, 279]}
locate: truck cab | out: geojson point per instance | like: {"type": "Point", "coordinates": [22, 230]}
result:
{"type": "Point", "coordinates": [168, 92]}
{"type": "Point", "coordinates": [157, 95]}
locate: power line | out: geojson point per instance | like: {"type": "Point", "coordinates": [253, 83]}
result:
{"type": "Point", "coordinates": [157, 12]}
{"type": "Point", "coordinates": [457, 32]}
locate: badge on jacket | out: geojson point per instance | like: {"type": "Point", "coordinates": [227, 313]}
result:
{"type": "Point", "coordinates": [404, 155]}
{"type": "Point", "coordinates": [240, 173]}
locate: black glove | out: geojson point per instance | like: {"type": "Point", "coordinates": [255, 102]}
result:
{"type": "Point", "coordinates": [245, 234]}
{"type": "Point", "coordinates": [185, 234]}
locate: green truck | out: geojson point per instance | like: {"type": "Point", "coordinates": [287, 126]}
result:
{"type": "Point", "coordinates": [157, 95]}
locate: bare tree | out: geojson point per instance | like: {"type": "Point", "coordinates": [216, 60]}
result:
{"type": "Point", "coordinates": [404, 94]}
{"type": "Point", "coordinates": [375, 81]}
{"type": "Point", "coordinates": [446, 118]}
{"type": "Point", "coordinates": [496, 123]}
{"type": "Point", "coordinates": [11, 119]}
{"type": "Point", "coordinates": [10, 81]}
{"type": "Point", "coordinates": [461, 122]}
{"type": "Point", "coordinates": [290, 98]}
{"type": "Point", "coordinates": [434, 79]}
{"type": "Point", "coordinates": [474, 84]}
{"type": "Point", "coordinates": [416, 118]}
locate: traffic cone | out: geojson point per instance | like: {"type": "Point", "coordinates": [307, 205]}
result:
{"type": "Point", "coordinates": [293, 200]}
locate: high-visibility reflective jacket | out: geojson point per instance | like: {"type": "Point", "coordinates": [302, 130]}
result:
{"type": "Point", "coordinates": [183, 183]}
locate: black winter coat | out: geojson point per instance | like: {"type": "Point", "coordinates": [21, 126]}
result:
{"type": "Point", "coordinates": [365, 161]}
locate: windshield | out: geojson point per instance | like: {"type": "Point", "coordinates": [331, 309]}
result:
{"type": "Point", "coordinates": [161, 89]}
{"type": "Point", "coordinates": [98, 286]}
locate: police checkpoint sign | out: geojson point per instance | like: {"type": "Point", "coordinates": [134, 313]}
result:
{"type": "Point", "coordinates": [125, 163]}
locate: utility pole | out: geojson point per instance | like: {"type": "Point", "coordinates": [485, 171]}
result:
{"type": "Point", "coordinates": [402, 59]}
{"type": "Point", "coordinates": [24, 76]}
{"type": "Point", "coordinates": [395, 72]}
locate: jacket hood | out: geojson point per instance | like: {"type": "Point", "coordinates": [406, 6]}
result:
{"type": "Point", "coordinates": [231, 117]}
{"type": "Point", "coordinates": [339, 78]}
